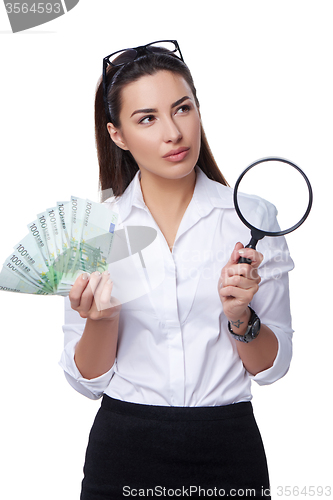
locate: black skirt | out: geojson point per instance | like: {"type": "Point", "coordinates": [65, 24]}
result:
{"type": "Point", "coordinates": [162, 451]}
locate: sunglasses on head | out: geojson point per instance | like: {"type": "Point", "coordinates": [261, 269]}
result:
{"type": "Point", "coordinates": [121, 57]}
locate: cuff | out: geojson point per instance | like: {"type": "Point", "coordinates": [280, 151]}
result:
{"type": "Point", "coordinates": [282, 361]}
{"type": "Point", "coordinates": [93, 388]}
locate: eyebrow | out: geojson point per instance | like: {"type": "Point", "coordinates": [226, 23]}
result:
{"type": "Point", "coordinates": [154, 110]}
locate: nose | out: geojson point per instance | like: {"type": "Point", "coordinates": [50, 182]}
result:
{"type": "Point", "coordinates": [171, 131]}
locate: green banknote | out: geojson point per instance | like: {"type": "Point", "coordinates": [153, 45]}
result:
{"type": "Point", "coordinates": [64, 241]}
{"type": "Point", "coordinates": [12, 282]}
{"type": "Point", "coordinates": [63, 209]}
{"type": "Point", "coordinates": [28, 250]}
{"type": "Point", "coordinates": [92, 231]}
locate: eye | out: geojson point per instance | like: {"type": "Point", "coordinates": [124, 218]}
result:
{"type": "Point", "coordinates": [147, 119]}
{"type": "Point", "coordinates": [183, 109]}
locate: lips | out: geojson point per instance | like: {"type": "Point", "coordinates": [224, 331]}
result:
{"type": "Point", "coordinates": [176, 154]}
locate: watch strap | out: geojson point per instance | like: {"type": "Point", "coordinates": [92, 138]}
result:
{"type": "Point", "coordinates": [252, 330]}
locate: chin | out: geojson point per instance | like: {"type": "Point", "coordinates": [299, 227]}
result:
{"type": "Point", "coordinates": [180, 172]}
{"type": "Point", "coordinates": [170, 171]}
{"type": "Point", "coordinates": [181, 168]}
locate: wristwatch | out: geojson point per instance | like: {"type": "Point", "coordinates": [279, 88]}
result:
{"type": "Point", "coordinates": [252, 330]}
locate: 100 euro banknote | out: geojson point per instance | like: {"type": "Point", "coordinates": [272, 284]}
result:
{"type": "Point", "coordinates": [64, 241]}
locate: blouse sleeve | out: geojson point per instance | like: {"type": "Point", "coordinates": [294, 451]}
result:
{"type": "Point", "coordinates": [272, 302]}
{"type": "Point", "coordinates": [73, 329]}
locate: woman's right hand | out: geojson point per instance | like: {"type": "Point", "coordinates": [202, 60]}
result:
{"type": "Point", "coordinates": [91, 297]}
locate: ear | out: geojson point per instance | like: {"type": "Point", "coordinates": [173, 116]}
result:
{"type": "Point", "coordinates": [116, 136]}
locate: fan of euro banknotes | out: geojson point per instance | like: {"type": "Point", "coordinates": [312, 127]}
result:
{"type": "Point", "coordinates": [64, 241]}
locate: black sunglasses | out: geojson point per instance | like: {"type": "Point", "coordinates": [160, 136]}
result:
{"type": "Point", "coordinates": [122, 57]}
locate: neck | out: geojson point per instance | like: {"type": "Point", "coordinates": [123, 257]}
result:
{"type": "Point", "coordinates": [169, 195]}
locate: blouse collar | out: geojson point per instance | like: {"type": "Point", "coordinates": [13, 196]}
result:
{"type": "Point", "coordinates": [207, 195]}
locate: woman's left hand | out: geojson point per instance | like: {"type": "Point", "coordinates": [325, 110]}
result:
{"type": "Point", "coordinates": [238, 283]}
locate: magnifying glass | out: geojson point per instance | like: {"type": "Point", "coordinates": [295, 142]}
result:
{"type": "Point", "coordinates": [268, 187]}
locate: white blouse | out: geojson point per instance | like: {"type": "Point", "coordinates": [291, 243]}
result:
{"type": "Point", "coordinates": [174, 347]}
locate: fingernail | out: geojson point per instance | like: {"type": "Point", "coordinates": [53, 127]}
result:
{"type": "Point", "coordinates": [85, 276]}
{"type": "Point", "coordinates": [106, 273]}
{"type": "Point", "coordinates": [241, 251]}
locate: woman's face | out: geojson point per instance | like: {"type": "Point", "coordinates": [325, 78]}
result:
{"type": "Point", "coordinates": [159, 125]}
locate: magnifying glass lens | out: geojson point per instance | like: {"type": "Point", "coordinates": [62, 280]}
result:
{"type": "Point", "coordinates": [282, 186]}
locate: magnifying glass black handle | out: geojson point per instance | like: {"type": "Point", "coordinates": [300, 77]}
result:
{"type": "Point", "coordinates": [252, 244]}
{"type": "Point", "coordinates": [244, 260]}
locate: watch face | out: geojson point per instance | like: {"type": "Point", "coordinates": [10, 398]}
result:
{"type": "Point", "coordinates": [255, 327]}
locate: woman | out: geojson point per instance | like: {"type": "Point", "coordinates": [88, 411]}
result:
{"type": "Point", "coordinates": [175, 364]}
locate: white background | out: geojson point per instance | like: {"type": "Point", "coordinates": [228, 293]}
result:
{"type": "Point", "coordinates": [263, 75]}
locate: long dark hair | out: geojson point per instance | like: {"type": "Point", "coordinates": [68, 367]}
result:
{"type": "Point", "coordinates": [116, 166]}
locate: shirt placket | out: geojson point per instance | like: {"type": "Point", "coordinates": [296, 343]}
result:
{"type": "Point", "coordinates": [171, 328]}
{"type": "Point", "coordinates": [170, 324]}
